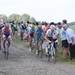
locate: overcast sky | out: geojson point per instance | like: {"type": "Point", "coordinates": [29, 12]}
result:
{"type": "Point", "coordinates": [41, 10]}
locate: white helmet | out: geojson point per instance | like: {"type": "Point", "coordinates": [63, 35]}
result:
{"type": "Point", "coordinates": [7, 24]}
{"type": "Point", "coordinates": [52, 27]}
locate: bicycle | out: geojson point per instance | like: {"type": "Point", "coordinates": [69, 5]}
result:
{"type": "Point", "coordinates": [6, 49]}
{"type": "Point", "coordinates": [32, 44]}
{"type": "Point", "coordinates": [51, 52]}
{"type": "Point", "coordinates": [40, 50]}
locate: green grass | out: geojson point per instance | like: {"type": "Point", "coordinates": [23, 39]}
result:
{"type": "Point", "coordinates": [73, 27]}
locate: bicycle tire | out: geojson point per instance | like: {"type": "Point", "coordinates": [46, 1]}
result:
{"type": "Point", "coordinates": [54, 59]}
{"type": "Point", "coordinates": [6, 55]}
{"type": "Point", "coordinates": [48, 58]}
{"type": "Point", "coordinates": [7, 51]}
{"type": "Point", "coordinates": [40, 51]}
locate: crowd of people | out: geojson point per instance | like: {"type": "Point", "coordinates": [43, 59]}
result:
{"type": "Point", "coordinates": [45, 31]}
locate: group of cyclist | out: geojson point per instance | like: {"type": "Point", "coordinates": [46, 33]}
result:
{"type": "Point", "coordinates": [43, 31]}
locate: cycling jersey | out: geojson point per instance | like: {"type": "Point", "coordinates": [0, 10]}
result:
{"type": "Point", "coordinates": [54, 34]}
{"type": "Point", "coordinates": [6, 32]}
{"type": "Point", "coordinates": [39, 33]}
{"type": "Point", "coordinates": [32, 31]}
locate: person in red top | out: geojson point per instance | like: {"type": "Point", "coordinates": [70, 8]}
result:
{"type": "Point", "coordinates": [48, 27]}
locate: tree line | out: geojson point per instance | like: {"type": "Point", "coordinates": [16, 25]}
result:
{"type": "Point", "coordinates": [24, 17]}
{"type": "Point", "coordinates": [18, 18]}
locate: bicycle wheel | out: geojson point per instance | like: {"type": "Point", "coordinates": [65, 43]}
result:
{"type": "Point", "coordinates": [40, 50]}
{"type": "Point", "coordinates": [54, 59]}
{"type": "Point", "coordinates": [41, 53]}
{"type": "Point", "coordinates": [49, 57]}
{"type": "Point", "coordinates": [6, 55]}
{"type": "Point", "coordinates": [32, 44]}
{"type": "Point", "coordinates": [54, 55]}
{"type": "Point", "coordinates": [6, 50]}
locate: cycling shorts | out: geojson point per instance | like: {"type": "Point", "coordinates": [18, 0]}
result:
{"type": "Point", "coordinates": [6, 35]}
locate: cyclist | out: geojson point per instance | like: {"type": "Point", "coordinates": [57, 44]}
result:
{"type": "Point", "coordinates": [51, 35]}
{"type": "Point", "coordinates": [31, 34]}
{"type": "Point", "coordinates": [6, 33]}
{"type": "Point", "coordinates": [39, 35]}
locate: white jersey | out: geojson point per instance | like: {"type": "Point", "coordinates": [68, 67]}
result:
{"type": "Point", "coordinates": [69, 34]}
{"type": "Point", "coordinates": [54, 34]}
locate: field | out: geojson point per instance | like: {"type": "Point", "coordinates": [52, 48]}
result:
{"type": "Point", "coordinates": [73, 27]}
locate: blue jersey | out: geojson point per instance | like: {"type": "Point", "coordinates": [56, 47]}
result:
{"type": "Point", "coordinates": [39, 32]}
{"type": "Point", "coordinates": [32, 31]}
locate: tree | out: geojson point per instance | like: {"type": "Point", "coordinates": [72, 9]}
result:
{"type": "Point", "coordinates": [25, 17]}
{"type": "Point", "coordinates": [15, 17]}
{"type": "Point", "coordinates": [2, 16]}
{"type": "Point", "coordinates": [32, 20]}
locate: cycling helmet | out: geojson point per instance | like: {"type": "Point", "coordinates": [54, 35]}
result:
{"type": "Point", "coordinates": [52, 27]}
{"type": "Point", "coordinates": [39, 26]}
{"type": "Point", "coordinates": [7, 24]}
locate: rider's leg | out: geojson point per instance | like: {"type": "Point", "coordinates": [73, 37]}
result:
{"type": "Point", "coordinates": [8, 42]}
{"type": "Point", "coordinates": [46, 48]}
{"type": "Point", "coordinates": [30, 40]}
{"type": "Point", "coordinates": [4, 40]}
{"type": "Point", "coordinates": [56, 47]}
{"type": "Point", "coordinates": [36, 46]}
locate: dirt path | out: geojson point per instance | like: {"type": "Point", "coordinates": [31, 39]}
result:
{"type": "Point", "coordinates": [23, 62]}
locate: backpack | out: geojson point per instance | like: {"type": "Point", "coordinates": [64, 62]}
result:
{"type": "Point", "coordinates": [23, 26]}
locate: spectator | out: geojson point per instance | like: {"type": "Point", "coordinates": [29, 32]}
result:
{"type": "Point", "coordinates": [71, 40]}
{"type": "Point", "coordinates": [64, 40]}
{"type": "Point", "coordinates": [15, 30]}
{"type": "Point", "coordinates": [18, 28]}
{"type": "Point", "coordinates": [22, 30]}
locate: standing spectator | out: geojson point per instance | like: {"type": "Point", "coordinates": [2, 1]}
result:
{"type": "Point", "coordinates": [71, 40]}
{"type": "Point", "coordinates": [15, 30]}
{"type": "Point", "coordinates": [18, 29]}
{"type": "Point", "coordinates": [22, 30]}
{"type": "Point", "coordinates": [27, 26]}
{"type": "Point", "coordinates": [64, 40]}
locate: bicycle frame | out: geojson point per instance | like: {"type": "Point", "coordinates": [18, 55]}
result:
{"type": "Point", "coordinates": [40, 50]}
{"type": "Point", "coordinates": [6, 48]}
{"type": "Point", "coordinates": [51, 51]}
{"type": "Point", "coordinates": [32, 43]}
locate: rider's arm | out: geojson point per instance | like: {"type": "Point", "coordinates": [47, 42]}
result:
{"type": "Point", "coordinates": [46, 38]}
